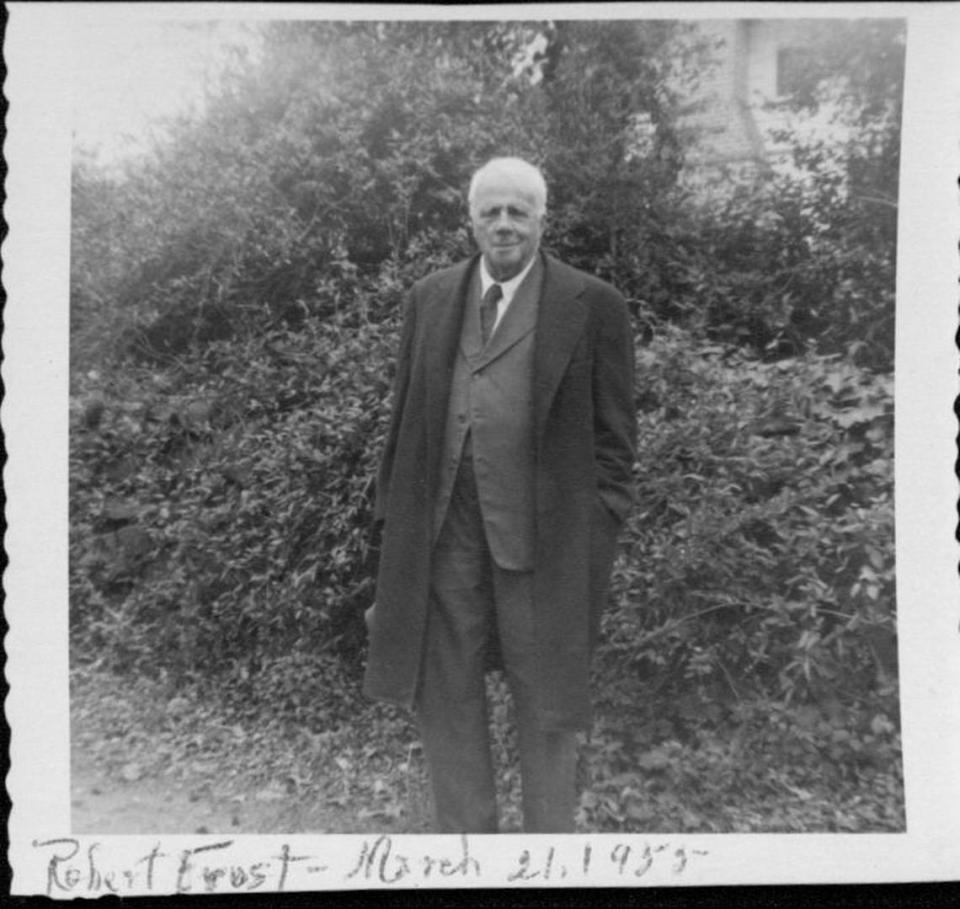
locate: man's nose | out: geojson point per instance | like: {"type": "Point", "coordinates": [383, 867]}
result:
{"type": "Point", "coordinates": [503, 222]}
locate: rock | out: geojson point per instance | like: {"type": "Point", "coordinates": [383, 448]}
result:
{"type": "Point", "coordinates": [132, 772]}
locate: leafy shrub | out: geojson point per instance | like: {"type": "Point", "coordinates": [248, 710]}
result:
{"type": "Point", "coordinates": [314, 177]}
{"type": "Point", "coordinates": [758, 566]}
{"type": "Point", "coordinates": [249, 476]}
{"type": "Point", "coordinates": [764, 521]}
{"type": "Point", "coordinates": [310, 176]}
{"type": "Point", "coordinates": [221, 517]}
{"type": "Point", "coordinates": [775, 770]}
{"type": "Point", "coordinates": [797, 261]}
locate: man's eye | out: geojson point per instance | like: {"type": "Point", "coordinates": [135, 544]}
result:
{"type": "Point", "coordinates": [511, 213]}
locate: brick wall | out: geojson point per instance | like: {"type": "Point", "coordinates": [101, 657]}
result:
{"type": "Point", "coordinates": [728, 115]}
{"type": "Point", "coordinates": [721, 118]}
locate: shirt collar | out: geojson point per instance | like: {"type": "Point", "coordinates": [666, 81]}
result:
{"type": "Point", "coordinates": [509, 288]}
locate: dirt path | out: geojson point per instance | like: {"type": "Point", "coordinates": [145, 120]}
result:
{"type": "Point", "coordinates": [100, 804]}
{"type": "Point", "coordinates": [105, 803]}
{"type": "Point", "coordinates": [138, 783]}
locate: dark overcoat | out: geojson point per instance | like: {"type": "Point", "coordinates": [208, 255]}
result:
{"type": "Point", "coordinates": [584, 424]}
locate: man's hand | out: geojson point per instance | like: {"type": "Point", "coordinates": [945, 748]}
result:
{"type": "Point", "coordinates": [368, 617]}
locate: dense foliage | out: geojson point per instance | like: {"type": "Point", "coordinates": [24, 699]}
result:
{"type": "Point", "coordinates": [755, 591]}
{"type": "Point", "coordinates": [235, 314]}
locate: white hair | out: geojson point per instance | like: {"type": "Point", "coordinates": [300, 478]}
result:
{"type": "Point", "coordinates": [514, 169]}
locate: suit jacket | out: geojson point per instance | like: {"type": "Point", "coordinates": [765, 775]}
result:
{"type": "Point", "coordinates": [491, 399]}
{"type": "Point", "coordinates": [584, 426]}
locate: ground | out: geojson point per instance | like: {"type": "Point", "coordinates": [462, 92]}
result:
{"type": "Point", "coordinates": [143, 762]}
{"type": "Point", "coordinates": [150, 757]}
{"type": "Point", "coordinates": [105, 803]}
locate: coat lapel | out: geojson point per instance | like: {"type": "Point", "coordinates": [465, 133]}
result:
{"type": "Point", "coordinates": [560, 322]}
{"type": "Point", "coordinates": [443, 317]}
{"type": "Point", "coordinates": [470, 337]}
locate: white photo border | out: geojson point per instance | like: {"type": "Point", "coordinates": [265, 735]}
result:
{"type": "Point", "coordinates": [38, 51]}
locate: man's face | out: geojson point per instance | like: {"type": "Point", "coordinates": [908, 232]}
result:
{"type": "Point", "coordinates": [506, 226]}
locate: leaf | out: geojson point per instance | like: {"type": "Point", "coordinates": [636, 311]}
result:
{"type": "Point", "coordinates": [880, 725]}
{"type": "Point", "coordinates": [654, 760]}
{"type": "Point", "coordinates": [638, 811]}
{"type": "Point", "coordinates": [388, 811]}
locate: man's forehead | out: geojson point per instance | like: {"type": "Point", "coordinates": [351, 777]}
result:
{"type": "Point", "coordinates": [505, 191]}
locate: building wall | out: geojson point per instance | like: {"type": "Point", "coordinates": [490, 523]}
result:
{"type": "Point", "coordinates": [731, 118]}
{"type": "Point", "coordinates": [719, 115]}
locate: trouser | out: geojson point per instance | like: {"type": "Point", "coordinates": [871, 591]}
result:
{"type": "Point", "coordinates": [470, 597]}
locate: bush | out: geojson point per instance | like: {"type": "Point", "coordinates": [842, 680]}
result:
{"type": "Point", "coordinates": [760, 555]}
{"type": "Point", "coordinates": [795, 262]}
{"type": "Point", "coordinates": [339, 163]}
{"type": "Point", "coordinates": [246, 480]}
{"type": "Point", "coordinates": [309, 178]}
{"type": "Point", "coordinates": [222, 515]}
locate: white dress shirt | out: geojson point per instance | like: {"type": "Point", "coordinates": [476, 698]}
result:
{"type": "Point", "coordinates": [509, 288]}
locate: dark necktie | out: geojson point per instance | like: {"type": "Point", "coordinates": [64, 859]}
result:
{"type": "Point", "coordinates": [488, 310]}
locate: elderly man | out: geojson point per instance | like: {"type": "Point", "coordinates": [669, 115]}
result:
{"type": "Point", "coordinates": [505, 478]}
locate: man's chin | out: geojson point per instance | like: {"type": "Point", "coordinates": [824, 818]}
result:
{"type": "Point", "coordinates": [505, 267]}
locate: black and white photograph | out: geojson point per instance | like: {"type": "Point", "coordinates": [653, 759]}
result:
{"type": "Point", "coordinates": [482, 422]}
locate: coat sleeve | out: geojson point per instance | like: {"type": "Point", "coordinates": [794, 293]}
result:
{"type": "Point", "coordinates": [400, 385]}
{"type": "Point", "coordinates": [615, 418]}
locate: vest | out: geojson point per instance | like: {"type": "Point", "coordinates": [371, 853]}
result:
{"type": "Point", "coordinates": [491, 413]}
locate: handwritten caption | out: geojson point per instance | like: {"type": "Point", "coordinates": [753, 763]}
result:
{"type": "Point", "coordinates": [78, 869]}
